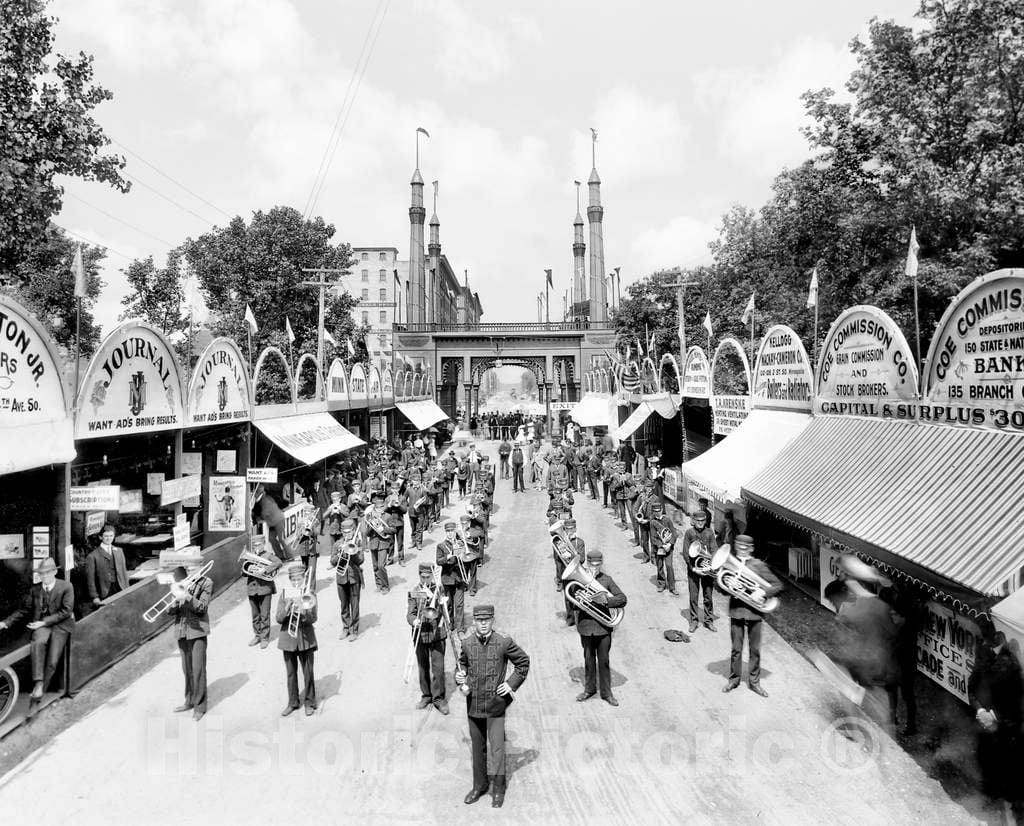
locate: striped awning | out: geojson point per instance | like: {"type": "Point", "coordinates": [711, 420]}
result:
{"type": "Point", "coordinates": [939, 503]}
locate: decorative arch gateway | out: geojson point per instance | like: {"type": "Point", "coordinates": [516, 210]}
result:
{"type": "Point", "coordinates": [670, 360]}
{"type": "Point", "coordinates": [274, 408]}
{"type": "Point", "coordinates": [650, 376]}
{"type": "Point", "coordinates": [317, 387]}
{"type": "Point", "coordinates": [730, 406]}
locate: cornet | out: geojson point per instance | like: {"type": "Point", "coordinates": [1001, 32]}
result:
{"type": "Point", "coordinates": [735, 578]}
{"type": "Point", "coordinates": [304, 602]}
{"type": "Point", "coordinates": [178, 589]}
{"type": "Point", "coordinates": [580, 589]}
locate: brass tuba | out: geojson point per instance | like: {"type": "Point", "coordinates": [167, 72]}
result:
{"type": "Point", "coordinates": [702, 562]}
{"type": "Point", "coordinates": [580, 589]}
{"type": "Point", "coordinates": [561, 544]}
{"type": "Point", "coordinates": [735, 578]}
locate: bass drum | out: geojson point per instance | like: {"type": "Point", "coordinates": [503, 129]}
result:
{"type": "Point", "coordinates": [8, 692]}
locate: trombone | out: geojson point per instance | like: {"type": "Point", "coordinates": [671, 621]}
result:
{"type": "Point", "coordinates": [426, 610]}
{"type": "Point", "coordinates": [305, 601]}
{"type": "Point", "coordinates": [178, 589]}
{"type": "Point", "coordinates": [342, 567]}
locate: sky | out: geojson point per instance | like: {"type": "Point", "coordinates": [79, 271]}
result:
{"type": "Point", "coordinates": [225, 107]}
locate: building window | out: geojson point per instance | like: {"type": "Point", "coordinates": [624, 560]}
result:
{"type": "Point", "coordinates": [366, 317]}
{"type": "Point", "coordinates": [383, 275]}
{"type": "Point", "coordinates": [365, 256]}
{"type": "Point", "coordinates": [383, 256]}
{"type": "Point", "coordinates": [383, 294]}
{"type": "Point", "coordinates": [366, 275]}
{"type": "Point", "coordinates": [366, 294]}
{"type": "Point", "coordinates": [383, 342]}
{"type": "Point", "coordinates": [383, 316]}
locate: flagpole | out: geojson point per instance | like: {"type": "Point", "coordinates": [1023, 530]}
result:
{"type": "Point", "coordinates": [814, 351]}
{"type": "Point", "coordinates": [78, 343]}
{"type": "Point", "coordinates": [917, 317]}
{"type": "Point", "coordinates": [547, 301]}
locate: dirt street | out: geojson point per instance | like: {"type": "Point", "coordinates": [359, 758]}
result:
{"type": "Point", "coordinates": [676, 750]}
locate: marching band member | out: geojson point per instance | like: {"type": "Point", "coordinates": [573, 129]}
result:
{"type": "Point", "coordinates": [417, 508]}
{"type": "Point", "coordinates": [335, 514]}
{"type": "Point", "coordinates": [260, 592]}
{"type": "Point", "coordinates": [596, 638]}
{"type": "Point", "coordinates": [481, 674]}
{"type": "Point", "coordinates": [663, 536]}
{"type": "Point", "coordinates": [449, 550]}
{"type": "Point", "coordinates": [379, 539]}
{"type": "Point", "coordinates": [429, 631]}
{"type": "Point", "coordinates": [700, 531]}
{"type": "Point", "coordinates": [433, 499]}
{"type": "Point", "coordinates": [569, 525]}
{"type": "Point", "coordinates": [473, 558]}
{"type": "Point", "coordinates": [300, 648]}
{"type": "Point", "coordinates": [348, 577]}
{"type": "Point", "coordinates": [394, 512]}
{"type": "Point", "coordinates": [192, 627]}
{"type": "Point", "coordinates": [746, 620]}
{"type": "Point", "coordinates": [305, 547]}
{"type": "Point", "coordinates": [594, 471]}
{"type": "Point", "coordinates": [642, 508]}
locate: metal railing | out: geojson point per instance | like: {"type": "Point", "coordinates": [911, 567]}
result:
{"type": "Point", "coordinates": [507, 327]}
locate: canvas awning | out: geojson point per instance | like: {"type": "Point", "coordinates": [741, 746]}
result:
{"type": "Point", "coordinates": [309, 437]}
{"type": "Point", "coordinates": [37, 445]}
{"type": "Point", "coordinates": [422, 413]}
{"type": "Point", "coordinates": [727, 466]}
{"type": "Point", "coordinates": [934, 502]}
{"type": "Point", "coordinates": [591, 410]}
{"type": "Point", "coordinates": [660, 403]}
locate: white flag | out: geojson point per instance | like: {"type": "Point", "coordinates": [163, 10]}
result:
{"type": "Point", "coordinates": [707, 325]}
{"type": "Point", "coordinates": [747, 310]}
{"type": "Point", "coordinates": [351, 349]}
{"type": "Point", "coordinates": [78, 270]}
{"type": "Point", "coordinates": [288, 329]}
{"type": "Point", "coordinates": [251, 319]}
{"type": "Point", "coordinates": [329, 337]}
{"type": "Point", "coordinates": [812, 293]}
{"type": "Point", "coordinates": [911, 269]}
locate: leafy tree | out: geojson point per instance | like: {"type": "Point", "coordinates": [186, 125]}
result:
{"type": "Point", "coordinates": [156, 294]}
{"type": "Point", "coordinates": [46, 130]}
{"type": "Point", "coordinates": [48, 288]}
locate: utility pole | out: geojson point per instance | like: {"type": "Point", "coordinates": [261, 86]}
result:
{"type": "Point", "coordinates": [681, 286]}
{"type": "Point", "coordinates": [322, 284]}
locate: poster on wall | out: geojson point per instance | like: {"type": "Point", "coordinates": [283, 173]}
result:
{"type": "Point", "coordinates": [219, 390]}
{"type": "Point", "coordinates": [191, 464]}
{"type": "Point", "coordinates": [866, 367]}
{"type": "Point", "coordinates": [12, 546]}
{"type": "Point", "coordinates": [132, 386]}
{"type": "Point", "coordinates": [131, 501]}
{"type": "Point", "coordinates": [696, 374]}
{"type": "Point", "coordinates": [975, 370]}
{"type": "Point", "coordinates": [782, 372]}
{"type": "Point", "coordinates": [227, 510]}
{"type": "Point", "coordinates": [154, 483]}
{"type": "Point", "coordinates": [174, 490]}
{"type": "Point", "coordinates": [945, 648]}
{"type": "Point", "coordinates": [829, 582]}
{"type": "Point", "coordinates": [226, 461]}
{"type": "Point", "coordinates": [94, 498]}
{"type": "Point", "coordinates": [670, 484]}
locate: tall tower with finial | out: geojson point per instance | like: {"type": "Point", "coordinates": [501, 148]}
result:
{"type": "Point", "coordinates": [416, 294]}
{"type": "Point", "coordinates": [434, 251]}
{"type": "Point", "coordinates": [595, 215]}
{"type": "Point", "coordinates": [579, 250]}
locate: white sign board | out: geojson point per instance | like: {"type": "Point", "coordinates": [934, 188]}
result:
{"type": "Point", "coordinates": [696, 375]}
{"type": "Point", "coordinates": [174, 490]}
{"type": "Point", "coordinates": [782, 373]}
{"type": "Point", "coordinates": [261, 475]}
{"type": "Point", "coordinates": [181, 536]}
{"type": "Point", "coordinates": [95, 498]}
{"type": "Point", "coordinates": [945, 648]}
{"type": "Point", "coordinates": [219, 390]}
{"type": "Point", "coordinates": [730, 412]}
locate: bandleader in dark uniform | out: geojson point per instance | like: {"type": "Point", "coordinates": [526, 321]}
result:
{"type": "Point", "coordinates": [746, 620]}
{"type": "Point", "coordinates": [481, 676]}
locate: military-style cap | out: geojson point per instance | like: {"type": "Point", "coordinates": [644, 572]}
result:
{"type": "Point", "coordinates": [701, 515]}
{"type": "Point", "coordinates": [426, 568]}
{"type": "Point", "coordinates": [743, 544]}
{"type": "Point", "coordinates": [294, 568]}
{"type": "Point", "coordinates": [569, 523]}
{"type": "Point", "coordinates": [348, 524]}
{"type": "Point", "coordinates": [483, 611]}
{"type": "Point", "coordinates": [450, 526]}
{"type": "Point", "coordinates": [377, 494]}
{"type": "Point", "coordinates": [595, 556]}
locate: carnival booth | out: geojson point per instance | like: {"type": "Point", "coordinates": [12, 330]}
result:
{"type": "Point", "coordinates": [36, 430]}
{"type": "Point", "coordinates": [696, 403]}
{"type": "Point", "coordinates": [593, 412]}
{"type": "Point", "coordinates": [359, 402]}
{"type": "Point", "coordinates": [420, 411]}
{"type": "Point", "coordinates": [922, 485]}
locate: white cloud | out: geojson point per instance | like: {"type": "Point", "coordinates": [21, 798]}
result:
{"type": "Point", "coordinates": [682, 242]}
{"type": "Point", "coordinates": [637, 137]}
{"type": "Point", "coordinates": [757, 111]}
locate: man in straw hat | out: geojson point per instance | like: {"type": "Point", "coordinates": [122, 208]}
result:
{"type": "Point", "coordinates": [49, 606]}
{"type": "Point", "coordinates": [481, 675]}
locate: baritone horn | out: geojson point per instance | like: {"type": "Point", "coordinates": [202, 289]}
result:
{"type": "Point", "coordinates": [179, 588]}
{"type": "Point", "coordinates": [561, 544]}
{"type": "Point", "coordinates": [580, 589]}
{"type": "Point", "coordinates": [735, 578]}
{"type": "Point", "coordinates": [702, 562]}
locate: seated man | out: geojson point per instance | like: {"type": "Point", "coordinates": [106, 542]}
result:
{"type": "Point", "coordinates": [49, 605]}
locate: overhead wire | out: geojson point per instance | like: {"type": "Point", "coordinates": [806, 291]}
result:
{"type": "Point", "coordinates": [155, 191]}
{"type": "Point", "coordinates": [119, 220]}
{"type": "Point", "coordinates": [93, 243]}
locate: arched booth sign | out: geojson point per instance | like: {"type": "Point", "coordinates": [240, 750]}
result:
{"type": "Point", "coordinates": [866, 366]}
{"type": "Point", "coordinates": [337, 386]}
{"type": "Point", "coordinates": [358, 390]}
{"type": "Point", "coordinates": [670, 360]}
{"type": "Point", "coordinates": [273, 409]}
{"type": "Point", "coordinates": [400, 385]}
{"type": "Point", "coordinates": [417, 379]}
{"type": "Point", "coordinates": [782, 373]}
{"type": "Point", "coordinates": [375, 391]}
{"type": "Point", "coordinates": [650, 376]}
{"type": "Point", "coordinates": [310, 389]}
{"type": "Point", "coordinates": [730, 407]}
{"type": "Point", "coordinates": [220, 390]}
{"type": "Point", "coordinates": [696, 375]}
{"type": "Point", "coordinates": [35, 423]}
{"type": "Point", "coordinates": [388, 386]}
{"type": "Point", "coordinates": [430, 389]}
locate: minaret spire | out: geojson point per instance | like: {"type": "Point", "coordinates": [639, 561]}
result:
{"type": "Point", "coordinates": [416, 294]}
{"type": "Point", "coordinates": [595, 214]}
{"type": "Point", "coordinates": [579, 249]}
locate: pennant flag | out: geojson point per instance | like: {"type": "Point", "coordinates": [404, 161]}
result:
{"type": "Point", "coordinates": [911, 268]}
{"type": "Point", "coordinates": [78, 270]}
{"type": "Point", "coordinates": [707, 324]}
{"type": "Point", "coordinates": [424, 131]}
{"type": "Point", "coordinates": [251, 319]}
{"type": "Point", "coordinates": [748, 310]}
{"type": "Point", "coordinates": [329, 337]}
{"type": "Point", "coordinates": [551, 283]}
{"type": "Point", "coordinates": [593, 134]}
{"type": "Point", "coordinates": [351, 349]}
{"type": "Point", "coordinates": [650, 344]}
{"type": "Point", "coordinates": [288, 329]}
{"type": "Point", "coordinates": [812, 293]}
{"type": "Point", "coordinates": [639, 348]}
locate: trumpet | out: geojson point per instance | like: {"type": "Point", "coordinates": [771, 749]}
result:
{"type": "Point", "coordinates": [305, 601]}
{"type": "Point", "coordinates": [561, 544]}
{"type": "Point", "coordinates": [702, 561]}
{"type": "Point", "coordinates": [736, 579]}
{"type": "Point", "coordinates": [580, 589]}
{"type": "Point", "coordinates": [178, 589]}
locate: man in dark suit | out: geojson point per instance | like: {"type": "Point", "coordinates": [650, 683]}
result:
{"type": "Point", "coordinates": [49, 606]}
{"type": "Point", "coordinates": [425, 613]}
{"type": "Point", "coordinates": [192, 626]}
{"type": "Point", "coordinates": [746, 620]}
{"type": "Point", "coordinates": [300, 648]}
{"type": "Point", "coordinates": [105, 571]}
{"type": "Point", "coordinates": [394, 512]}
{"type": "Point", "coordinates": [662, 541]}
{"type": "Point", "coordinates": [347, 562]}
{"type": "Point", "coordinates": [380, 540]}
{"type": "Point", "coordinates": [481, 676]}
{"type": "Point", "coordinates": [260, 591]}
{"type": "Point", "coordinates": [595, 637]}
{"type": "Point", "coordinates": [449, 551]}
{"type": "Point", "coordinates": [701, 587]}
